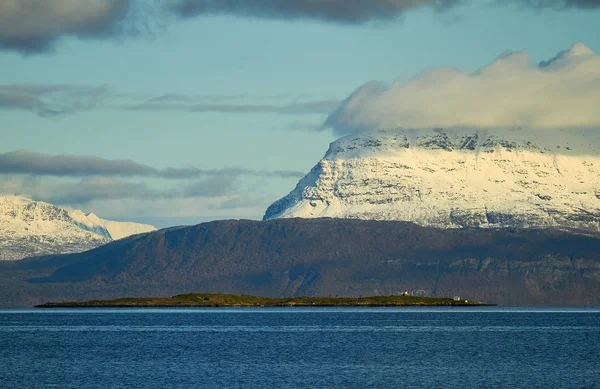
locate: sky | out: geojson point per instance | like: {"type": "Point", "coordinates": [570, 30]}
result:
{"type": "Point", "coordinates": [181, 111]}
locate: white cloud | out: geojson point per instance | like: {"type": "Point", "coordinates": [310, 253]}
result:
{"type": "Point", "coordinates": [563, 92]}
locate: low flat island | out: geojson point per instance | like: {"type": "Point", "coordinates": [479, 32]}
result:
{"type": "Point", "coordinates": [244, 301]}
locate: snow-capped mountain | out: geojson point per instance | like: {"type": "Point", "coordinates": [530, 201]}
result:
{"type": "Point", "coordinates": [30, 228]}
{"type": "Point", "coordinates": [455, 178]}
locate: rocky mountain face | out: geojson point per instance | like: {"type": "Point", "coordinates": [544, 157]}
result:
{"type": "Point", "coordinates": [32, 228]}
{"type": "Point", "coordinates": [320, 257]}
{"type": "Point", "coordinates": [455, 178]}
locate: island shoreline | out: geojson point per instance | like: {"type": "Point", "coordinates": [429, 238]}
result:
{"type": "Point", "coordinates": [206, 300]}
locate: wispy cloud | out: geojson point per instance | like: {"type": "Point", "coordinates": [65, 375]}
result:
{"type": "Point", "coordinates": [54, 100]}
{"type": "Point", "coordinates": [90, 189]}
{"type": "Point", "coordinates": [302, 108]}
{"type": "Point", "coordinates": [239, 202]}
{"type": "Point", "coordinates": [304, 126]}
{"type": "Point", "coordinates": [87, 181]}
{"type": "Point", "coordinates": [27, 162]}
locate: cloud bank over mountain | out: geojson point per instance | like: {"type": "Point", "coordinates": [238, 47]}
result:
{"type": "Point", "coordinates": [562, 92]}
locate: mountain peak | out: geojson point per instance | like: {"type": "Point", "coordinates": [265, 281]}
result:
{"type": "Point", "coordinates": [453, 178]}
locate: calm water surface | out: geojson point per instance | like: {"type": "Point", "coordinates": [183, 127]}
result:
{"type": "Point", "coordinates": [300, 348]}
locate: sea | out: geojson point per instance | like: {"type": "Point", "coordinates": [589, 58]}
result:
{"type": "Point", "coordinates": [483, 347]}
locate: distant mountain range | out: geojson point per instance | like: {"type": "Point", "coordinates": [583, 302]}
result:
{"type": "Point", "coordinates": [320, 257]}
{"type": "Point", "coordinates": [33, 228]}
{"type": "Point", "coordinates": [455, 178]}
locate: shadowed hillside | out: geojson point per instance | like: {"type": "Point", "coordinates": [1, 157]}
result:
{"type": "Point", "coordinates": [320, 257]}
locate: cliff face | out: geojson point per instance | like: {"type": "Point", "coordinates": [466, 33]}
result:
{"type": "Point", "coordinates": [321, 257]}
{"type": "Point", "coordinates": [455, 178]}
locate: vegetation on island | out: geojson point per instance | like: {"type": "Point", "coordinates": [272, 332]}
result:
{"type": "Point", "coordinates": [245, 301]}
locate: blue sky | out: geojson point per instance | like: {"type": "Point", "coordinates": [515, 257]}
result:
{"type": "Point", "coordinates": [237, 95]}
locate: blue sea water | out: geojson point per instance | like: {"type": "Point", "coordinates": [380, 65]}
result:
{"type": "Point", "coordinates": [300, 348]}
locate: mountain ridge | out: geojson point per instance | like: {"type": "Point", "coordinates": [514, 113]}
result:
{"type": "Point", "coordinates": [320, 257]}
{"type": "Point", "coordinates": [34, 228]}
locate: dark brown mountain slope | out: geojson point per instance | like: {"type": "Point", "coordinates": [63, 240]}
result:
{"type": "Point", "coordinates": [320, 257]}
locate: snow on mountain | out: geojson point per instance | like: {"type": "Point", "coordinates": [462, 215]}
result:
{"type": "Point", "coordinates": [31, 228]}
{"type": "Point", "coordinates": [455, 178]}
{"type": "Point", "coordinates": [116, 230]}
